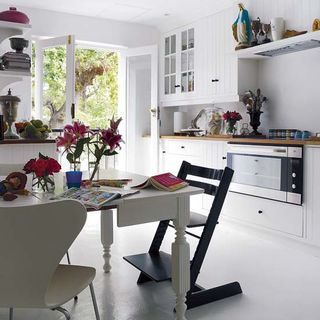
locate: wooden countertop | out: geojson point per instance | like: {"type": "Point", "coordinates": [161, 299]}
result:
{"type": "Point", "coordinates": [26, 141]}
{"type": "Point", "coordinates": [246, 140]}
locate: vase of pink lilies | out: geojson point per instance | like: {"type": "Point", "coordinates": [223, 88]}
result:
{"type": "Point", "coordinates": [105, 142]}
{"type": "Point", "coordinates": [77, 138]}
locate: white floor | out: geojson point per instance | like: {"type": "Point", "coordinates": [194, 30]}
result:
{"type": "Point", "coordinates": [278, 283]}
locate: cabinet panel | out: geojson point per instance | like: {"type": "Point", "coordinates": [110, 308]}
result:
{"type": "Point", "coordinates": [312, 192]}
{"type": "Point", "coordinates": [265, 213]}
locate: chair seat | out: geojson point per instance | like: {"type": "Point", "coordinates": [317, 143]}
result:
{"type": "Point", "coordinates": [67, 282]}
{"type": "Point", "coordinates": [197, 220]}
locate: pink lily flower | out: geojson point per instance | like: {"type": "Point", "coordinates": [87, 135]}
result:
{"type": "Point", "coordinates": [78, 129]}
{"type": "Point", "coordinates": [67, 140]}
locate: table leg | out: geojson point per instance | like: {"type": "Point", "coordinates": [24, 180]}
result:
{"type": "Point", "coordinates": [181, 258]}
{"type": "Point", "coordinates": [106, 237]}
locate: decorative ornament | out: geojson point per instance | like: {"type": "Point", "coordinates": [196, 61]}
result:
{"type": "Point", "coordinates": [242, 29]}
{"type": "Point", "coordinates": [316, 25]}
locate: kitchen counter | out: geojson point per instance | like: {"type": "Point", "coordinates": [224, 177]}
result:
{"type": "Point", "coordinates": [27, 141]}
{"type": "Point", "coordinates": [246, 140]}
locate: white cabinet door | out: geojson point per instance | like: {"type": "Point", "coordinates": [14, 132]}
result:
{"type": "Point", "coordinates": [222, 66]}
{"type": "Point", "coordinates": [178, 51]}
{"type": "Point", "coordinates": [264, 213]}
{"type": "Point", "coordinates": [311, 193]}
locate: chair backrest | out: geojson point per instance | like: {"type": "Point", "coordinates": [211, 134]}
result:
{"type": "Point", "coordinates": [201, 172]}
{"type": "Point", "coordinates": [6, 168]}
{"type": "Point", "coordinates": [33, 240]}
{"type": "Point", "coordinates": [219, 192]}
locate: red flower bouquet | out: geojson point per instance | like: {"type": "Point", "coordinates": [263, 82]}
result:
{"type": "Point", "coordinates": [42, 169]}
{"type": "Point", "coordinates": [231, 118]}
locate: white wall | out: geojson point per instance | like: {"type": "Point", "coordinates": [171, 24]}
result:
{"type": "Point", "coordinates": [51, 24]}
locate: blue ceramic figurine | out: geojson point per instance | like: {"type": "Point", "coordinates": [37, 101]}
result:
{"type": "Point", "coordinates": [242, 29]}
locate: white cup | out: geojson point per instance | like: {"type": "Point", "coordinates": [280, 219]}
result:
{"type": "Point", "coordinates": [277, 28]}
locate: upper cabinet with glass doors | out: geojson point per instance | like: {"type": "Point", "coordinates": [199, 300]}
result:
{"type": "Point", "coordinates": [170, 65]}
{"type": "Point", "coordinates": [205, 69]}
{"type": "Point", "coordinates": [177, 70]}
{"type": "Point", "coordinates": [187, 61]}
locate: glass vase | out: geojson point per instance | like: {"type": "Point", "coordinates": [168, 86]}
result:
{"type": "Point", "coordinates": [231, 127]}
{"type": "Point", "coordinates": [94, 170]}
{"type": "Point", "coordinates": [43, 184]}
{"type": "Point", "coordinates": [75, 166]}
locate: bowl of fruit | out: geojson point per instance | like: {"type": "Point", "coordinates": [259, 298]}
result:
{"type": "Point", "coordinates": [34, 129]}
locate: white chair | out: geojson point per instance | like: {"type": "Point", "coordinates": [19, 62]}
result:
{"type": "Point", "coordinates": [33, 240]}
{"type": "Point", "coordinates": [7, 168]}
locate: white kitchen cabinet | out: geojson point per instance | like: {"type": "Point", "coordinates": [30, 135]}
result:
{"type": "Point", "coordinates": [312, 193]}
{"type": "Point", "coordinates": [173, 152]}
{"type": "Point", "coordinates": [177, 65]}
{"type": "Point", "coordinates": [211, 154]}
{"type": "Point", "coordinates": [20, 153]}
{"type": "Point", "coordinates": [265, 213]}
{"type": "Point", "coordinates": [198, 64]}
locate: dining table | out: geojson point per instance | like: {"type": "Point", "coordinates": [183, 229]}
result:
{"type": "Point", "coordinates": [148, 205]}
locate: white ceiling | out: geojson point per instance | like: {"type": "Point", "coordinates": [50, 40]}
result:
{"type": "Point", "coordinates": [149, 12]}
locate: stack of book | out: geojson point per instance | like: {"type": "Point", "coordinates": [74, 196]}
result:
{"type": "Point", "coordinates": [16, 61]}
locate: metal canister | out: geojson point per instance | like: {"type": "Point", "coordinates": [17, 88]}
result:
{"type": "Point", "coordinates": [9, 104]}
{"type": "Point", "coordinates": [1, 127]}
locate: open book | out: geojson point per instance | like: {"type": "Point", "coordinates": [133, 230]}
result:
{"type": "Point", "coordinates": [95, 198]}
{"type": "Point", "coordinates": [166, 181]}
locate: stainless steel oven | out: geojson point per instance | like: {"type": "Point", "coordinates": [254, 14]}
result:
{"type": "Point", "coordinates": [267, 171]}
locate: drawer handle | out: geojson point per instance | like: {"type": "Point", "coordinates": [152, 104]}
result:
{"type": "Point", "coordinates": [177, 86]}
{"type": "Point", "coordinates": [183, 147]}
{"type": "Point", "coordinates": [163, 152]}
{"type": "Point", "coordinates": [224, 158]}
{"type": "Point", "coordinates": [215, 80]}
{"type": "Point", "coordinates": [260, 211]}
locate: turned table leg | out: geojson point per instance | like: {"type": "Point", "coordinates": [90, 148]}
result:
{"type": "Point", "coordinates": [181, 258]}
{"type": "Point", "coordinates": [106, 237]}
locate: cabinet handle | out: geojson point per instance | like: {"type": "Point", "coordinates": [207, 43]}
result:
{"type": "Point", "coordinates": [177, 86]}
{"type": "Point", "coordinates": [182, 147]}
{"type": "Point", "coordinates": [163, 152]}
{"type": "Point", "coordinates": [215, 80]}
{"type": "Point", "coordinates": [260, 211]}
{"type": "Point", "coordinates": [224, 158]}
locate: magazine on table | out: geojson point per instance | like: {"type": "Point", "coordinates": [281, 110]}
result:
{"type": "Point", "coordinates": [165, 181]}
{"type": "Point", "coordinates": [95, 198]}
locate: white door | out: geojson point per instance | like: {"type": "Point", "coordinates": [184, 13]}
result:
{"type": "Point", "coordinates": [139, 107]}
{"type": "Point", "coordinates": [55, 91]}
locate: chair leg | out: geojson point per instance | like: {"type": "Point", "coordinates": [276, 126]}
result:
{"type": "Point", "coordinates": [11, 314]}
{"type": "Point", "coordinates": [94, 301]}
{"type": "Point", "coordinates": [69, 262]}
{"type": "Point", "coordinates": [68, 257]}
{"type": "Point", "coordinates": [64, 311]}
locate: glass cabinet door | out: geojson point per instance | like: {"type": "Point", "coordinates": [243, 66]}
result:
{"type": "Point", "coordinates": [170, 66]}
{"type": "Point", "coordinates": [187, 60]}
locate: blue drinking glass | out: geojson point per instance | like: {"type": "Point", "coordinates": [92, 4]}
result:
{"type": "Point", "coordinates": [306, 135]}
{"type": "Point", "coordinates": [74, 179]}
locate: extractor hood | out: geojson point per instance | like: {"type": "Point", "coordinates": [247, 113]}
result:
{"type": "Point", "coordinates": [295, 47]}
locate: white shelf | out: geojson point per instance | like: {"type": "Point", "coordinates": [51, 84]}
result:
{"type": "Point", "coordinates": [14, 73]}
{"type": "Point", "coordinates": [10, 29]}
{"type": "Point", "coordinates": [7, 77]}
{"type": "Point", "coordinates": [251, 53]}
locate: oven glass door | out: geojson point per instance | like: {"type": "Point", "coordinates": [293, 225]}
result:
{"type": "Point", "coordinates": [259, 171]}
